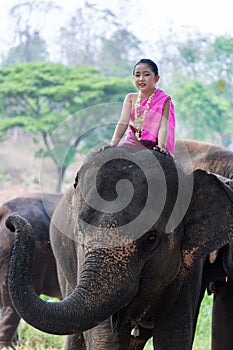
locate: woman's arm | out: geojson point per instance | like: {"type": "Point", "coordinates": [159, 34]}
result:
{"type": "Point", "coordinates": [163, 129]}
{"type": "Point", "coordinates": [123, 121]}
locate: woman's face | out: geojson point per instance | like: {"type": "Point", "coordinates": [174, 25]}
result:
{"type": "Point", "coordinates": [144, 78]}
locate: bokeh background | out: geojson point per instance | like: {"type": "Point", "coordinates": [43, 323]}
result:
{"type": "Point", "coordinates": [65, 67]}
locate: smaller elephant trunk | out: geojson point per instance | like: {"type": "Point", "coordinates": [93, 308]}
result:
{"type": "Point", "coordinates": [101, 290]}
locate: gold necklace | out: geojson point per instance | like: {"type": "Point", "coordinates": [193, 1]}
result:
{"type": "Point", "coordinates": [139, 120]}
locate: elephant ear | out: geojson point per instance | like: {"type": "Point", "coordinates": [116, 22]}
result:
{"type": "Point", "coordinates": [208, 223]}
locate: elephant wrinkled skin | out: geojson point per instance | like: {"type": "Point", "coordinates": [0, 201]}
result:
{"type": "Point", "coordinates": [128, 241]}
{"type": "Point", "coordinates": [44, 271]}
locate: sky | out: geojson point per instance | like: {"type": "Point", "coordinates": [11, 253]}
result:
{"type": "Point", "coordinates": [148, 20]}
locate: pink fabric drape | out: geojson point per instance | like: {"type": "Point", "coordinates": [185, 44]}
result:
{"type": "Point", "coordinates": [152, 122]}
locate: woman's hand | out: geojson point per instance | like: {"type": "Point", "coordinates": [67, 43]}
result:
{"type": "Point", "coordinates": [102, 148]}
{"type": "Point", "coordinates": [162, 150]}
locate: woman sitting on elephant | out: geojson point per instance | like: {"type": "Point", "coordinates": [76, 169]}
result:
{"type": "Point", "coordinates": [148, 114]}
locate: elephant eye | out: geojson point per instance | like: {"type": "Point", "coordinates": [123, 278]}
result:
{"type": "Point", "coordinates": [151, 237]}
{"type": "Point", "coordinates": [151, 240]}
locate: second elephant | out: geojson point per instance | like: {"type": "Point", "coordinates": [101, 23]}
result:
{"type": "Point", "coordinates": [218, 268]}
{"type": "Point", "coordinates": [37, 209]}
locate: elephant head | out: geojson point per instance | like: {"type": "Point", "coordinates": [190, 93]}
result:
{"type": "Point", "coordinates": [140, 224]}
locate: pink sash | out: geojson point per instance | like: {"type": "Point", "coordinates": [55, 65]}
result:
{"type": "Point", "coordinates": [152, 122]}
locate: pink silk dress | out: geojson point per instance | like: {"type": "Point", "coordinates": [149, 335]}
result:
{"type": "Point", "coordinates": [152, 122]}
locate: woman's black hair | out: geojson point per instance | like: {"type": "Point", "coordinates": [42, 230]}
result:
{"type": "Point", "coordinates": [150, 63]}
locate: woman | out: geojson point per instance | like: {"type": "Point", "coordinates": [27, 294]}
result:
{"type": "Point", "coordinates": [148, 114]}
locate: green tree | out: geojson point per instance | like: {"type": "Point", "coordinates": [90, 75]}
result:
{"type": "Point", "coordinates": [219, 68]}
{"type": "Point", "coordinates": [209, 61]}
{"type": "Point", "coordinates": [105, 43]}
{"type": "Point", "coordinates": [31, 49]}
{"type": "Point", "coordinates": [80, 38]}
{"type": "Point", "coordinates": [184, 53]}
{"type": "Point", "coordinates": [205, 114]}
{"type": "Point", "coordinates": [219, 59]}
{"type": "Point", "coordinates": [56, 104]}
{"type": "Point", "coordinates": [26, 20]}
{"type": "Point", "coordinates": [118, 53]}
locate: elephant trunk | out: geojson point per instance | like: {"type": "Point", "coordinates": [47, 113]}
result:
{"type": "Point", "coordinates": [101, 290]}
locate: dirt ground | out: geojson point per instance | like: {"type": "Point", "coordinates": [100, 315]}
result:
{"type": "Point", "coordinates": [21, 173]}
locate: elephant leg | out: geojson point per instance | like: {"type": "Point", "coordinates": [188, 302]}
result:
{"type": "Point", "coordinates": [74, 342]}
{"type": "Point", "coordinates": [222, 318]}
{"type": "Point", "coordinates": [176, 324]}
{"type": "Point", "coordinates": [101, 337]}
{"type": "Point", "coordinates": [8, 327]}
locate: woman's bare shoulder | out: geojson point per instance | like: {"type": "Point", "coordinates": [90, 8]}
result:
{"type": "Point", "coordinates": [131, 97]}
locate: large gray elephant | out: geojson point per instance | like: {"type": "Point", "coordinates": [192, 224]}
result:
{"type": "Point", "coordinates": [218, 267]}
{"type": "Point", "coordinates": [37, 209]}
{"type": "Point", "coordinates": [129, 240]}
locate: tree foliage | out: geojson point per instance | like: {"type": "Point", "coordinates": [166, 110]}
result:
{"type": "Point", "coordinates": [117, 55]}
{"type": "Point", "coordinates": [32, 48]}
{"type": "Point", "coordinates": [205, 114]}
{"type": "Point", "coordinates": [198, 74]}
{"type": "Point", "coordinates": [195, 69]}
{"type": "Point", "coordinates": [80, 38]}
{"type": "Point", "coordinates": [27, 18]}
{"type": "Point", "coordinates": [219, 59]}
{"type": "Point", "coordinates": [104, 43]}
{"type": "Point", "coordinates": [50, 101]}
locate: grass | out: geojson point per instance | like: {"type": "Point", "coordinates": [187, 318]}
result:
{"type": "Point", "coordinates": [36, 340]}
{"type": "Point", "coordinates": [202, 339]}
{"type": "Point", "coordinates": [32, 338]}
